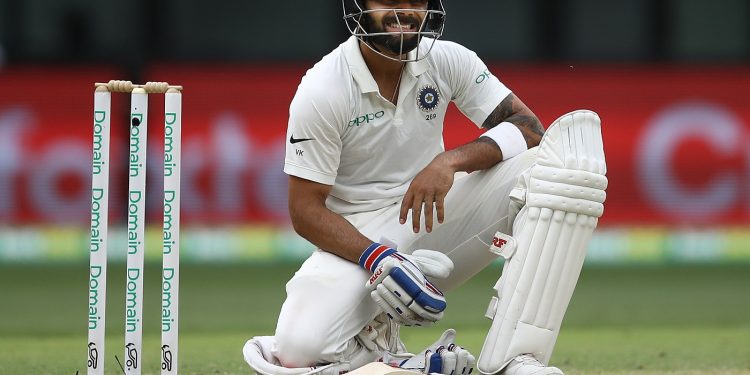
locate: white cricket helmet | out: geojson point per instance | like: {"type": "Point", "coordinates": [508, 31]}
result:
{"type": "Point", "coordinates": [400, 31]}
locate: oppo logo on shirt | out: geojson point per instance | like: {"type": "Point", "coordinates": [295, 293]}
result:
{"type": "Point", "coordinates": [485, 75]}
{"type": "Point", "coordinates": [364, 119]}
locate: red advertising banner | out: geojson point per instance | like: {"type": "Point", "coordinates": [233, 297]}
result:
{"type": "Point", "coordinates": [46, 131]}
{"type": "Point", "coordinates": [676, 140]}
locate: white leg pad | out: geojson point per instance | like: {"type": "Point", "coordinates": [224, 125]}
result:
{"type": "Point", "coordinates": [563, 196]}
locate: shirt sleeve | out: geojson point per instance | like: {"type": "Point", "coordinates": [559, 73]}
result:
{"type": "Point", "coordinates": [313, 144]}
{"type": "Point", "coordinates": [476, 91]}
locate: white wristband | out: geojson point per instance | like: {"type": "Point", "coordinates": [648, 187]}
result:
{"type": "Point", "coordinates": [508, 137]}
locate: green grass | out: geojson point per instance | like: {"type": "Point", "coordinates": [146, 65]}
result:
{"type": "Point", "coordinates": [651, 320]}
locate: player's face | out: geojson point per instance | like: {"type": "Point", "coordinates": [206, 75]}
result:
{"type": "Point", "coordinates": [408, 19]}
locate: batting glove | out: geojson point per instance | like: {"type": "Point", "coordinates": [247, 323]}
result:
{"type": "Point", "coordinates": [442, 357]}
{"type": "Point", "coordinates": [399, 284]}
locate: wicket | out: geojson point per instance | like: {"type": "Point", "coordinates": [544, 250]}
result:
{"type": "Point", "coordinates": [136, 222]}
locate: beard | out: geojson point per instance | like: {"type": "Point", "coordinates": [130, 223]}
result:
{"type": "Point", "coordinates": [392, 44]}
{"type": "Point", "coordinates": [396, 43]}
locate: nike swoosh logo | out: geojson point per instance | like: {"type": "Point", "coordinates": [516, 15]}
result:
{"type": "Point", "coordinates": [293, 140]}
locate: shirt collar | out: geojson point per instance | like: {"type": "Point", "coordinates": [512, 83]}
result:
{"type": "Point", "coordinates": [417, 67]}
{"type": "Point", "coordinates": [358, 67]}
{"type": "Point", "coordinates": [361, 73]}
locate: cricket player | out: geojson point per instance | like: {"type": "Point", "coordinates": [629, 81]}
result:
{"type": "Point", "coordinates": [398, 220]}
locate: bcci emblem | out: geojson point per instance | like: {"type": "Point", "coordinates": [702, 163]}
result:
{"type": "Point", "coordinates": [428, 98]}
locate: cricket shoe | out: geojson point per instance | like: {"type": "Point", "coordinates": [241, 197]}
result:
{"type": "Point", "coordinates": [526, 364]}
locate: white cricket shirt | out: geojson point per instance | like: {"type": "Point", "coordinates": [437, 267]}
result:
{"type": "Point", "coordinates": [342, 132]}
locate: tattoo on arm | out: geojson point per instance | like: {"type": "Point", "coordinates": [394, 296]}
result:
{"type": "Point", "coordinates": [512, 110]}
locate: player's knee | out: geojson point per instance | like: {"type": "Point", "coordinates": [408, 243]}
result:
{"type": "Point", "coordinates": [299, 349]}
{"type": "Point", "coordinates": [528, 157]}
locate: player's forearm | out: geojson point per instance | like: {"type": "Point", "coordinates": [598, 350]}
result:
{"type": "Point", "coordinates": [514, 111]}
{"type": "Point", "coordinates": [329, 231]}
{"type": "Point", "coordinates": [481, 154]}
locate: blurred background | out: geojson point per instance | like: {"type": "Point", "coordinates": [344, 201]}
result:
{"type": "Point", "coordinates": [670, 79]}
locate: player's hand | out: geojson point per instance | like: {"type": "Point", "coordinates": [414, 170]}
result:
{"type": "Point", "coordinates": [428, 190]}
{"type": "Point", "coordinates": [442, 357]}
{"type": "Point", "coordinates": [405, 294]}
{"type": "Point", "coordinates": [400, 287]}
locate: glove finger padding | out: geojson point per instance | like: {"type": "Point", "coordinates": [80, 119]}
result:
{"type": "Point", "coordinates": [432, 263]}
{"type": "Point", "coordinates": [448, 360]}
{"type": "Point", "coordinates": [418, 288]}
{"type": "Point", "coordinates": [386, 307]}
{"type": "Point", "coordinates": [433, 362]}
{"type": "Point", "coordinates": [396, 309]}
{"type": "Point", "coordinates": [451, 354]}
{"type": "Point", "coordinates": [471, 363]}
{"type": "Point", "coordinates": [396, 289]}
{"type": "Point", "coordinates": [443, 356]}
{"type": "Point", "coordinates": [464, 360]}
{"type": "Point", "coordinates": [409, 296]}
{"type": "Point", "coordinates": [454, 359]}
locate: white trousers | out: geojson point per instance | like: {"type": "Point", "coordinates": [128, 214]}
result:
{"type": "Point", "coordinates": [327, 303]}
